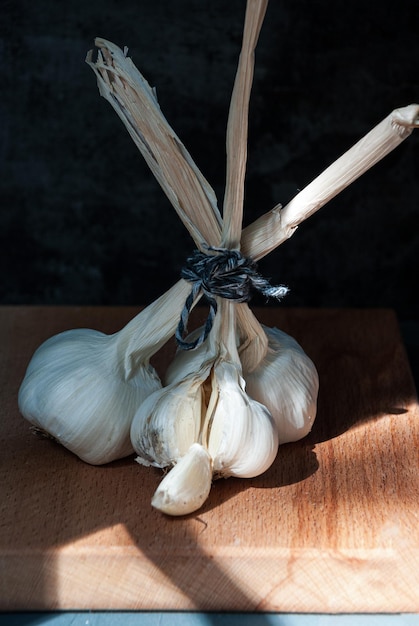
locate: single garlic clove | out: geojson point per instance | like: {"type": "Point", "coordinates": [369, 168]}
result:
{"type": "Point", "coordinates": [169, 421]}
{"type": "Point", "coordinates": [242, 436]}
{"type": "Point", "coordinates": [186, 487]}
{"type": "Point", "coordinates": [287, 383]}
{"type": "Point", "coordinates": [75, 390]}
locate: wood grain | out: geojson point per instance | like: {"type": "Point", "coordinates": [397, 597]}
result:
{"type": "Point", "coordinates": [331, 527]}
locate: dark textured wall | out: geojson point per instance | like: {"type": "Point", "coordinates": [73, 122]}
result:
{"type": "Point", "coordinates": [82, 220]}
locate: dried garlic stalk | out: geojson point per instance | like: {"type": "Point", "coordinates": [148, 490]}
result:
{"type": "Point", "coordinates": [273, 228]}
{"type": "Point", "coordinates": [135, 102]}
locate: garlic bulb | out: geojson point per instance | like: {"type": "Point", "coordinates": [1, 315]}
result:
{"type": "Point", "coordinates": [74, 390]}
{"type": "Point", "coordinates": [287, 383]}
{"type": "Point", "coordinates": [83, 387]}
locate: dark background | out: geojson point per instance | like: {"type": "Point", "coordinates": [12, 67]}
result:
{"type": "Point", "coordinates": [82, 220]}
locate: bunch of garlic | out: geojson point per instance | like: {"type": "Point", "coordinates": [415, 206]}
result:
{"type": "Point", "coordinates": [226, 407]}
{"type": "Point", "coordinates": [204, 423]}
{"type": "Point", "coordinates": [83, 387]}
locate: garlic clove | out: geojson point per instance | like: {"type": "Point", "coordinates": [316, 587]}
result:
{"type": "Point", "coordinates": [186, 487]}
{"type": "Point", "coordinates": [287, 383]}
{"type": "Point", "coordinates": [242, 436]}
{"type": "Point", "coordinates": [169, 421]}
{"type": "Point", "coordinates": [75, 390]}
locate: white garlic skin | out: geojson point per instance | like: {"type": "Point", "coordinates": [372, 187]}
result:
{"type": "Point", "coordinates": [287, 383]}
{"type": "Point", "coordinates": [167, 423]}
{"type": "Point", "coordinates": [186, 362]}
{"type": "Point", "coordinates": [242, 436]}
{"type": "Point", "coordinates": [186, 487]}
{"type": "Point", "coordinates": [75, 390]}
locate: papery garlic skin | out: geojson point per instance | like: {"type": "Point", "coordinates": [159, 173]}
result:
{"type": "Point", "coordinates": [186, 487]}
{"type": "Point", "coordinates": [287, 383]}
{"type": "Point", "coordinates": [186, 362]}
{"type": "Point", "coordinates": [242, 436]}
{"type": "Point", "coordinates": [75, 390]}
{"type": "Point", "coordinates": [168, 422]}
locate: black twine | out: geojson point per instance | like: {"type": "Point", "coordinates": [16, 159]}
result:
{"type": "Point", "coordinates": [224, 273]}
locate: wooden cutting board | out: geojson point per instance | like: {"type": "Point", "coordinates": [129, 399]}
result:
{"type": "Point", "coordinates": [332, 526]}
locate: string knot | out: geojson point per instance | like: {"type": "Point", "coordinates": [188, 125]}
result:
{"type": "Point", "coordinates": [223, 273]}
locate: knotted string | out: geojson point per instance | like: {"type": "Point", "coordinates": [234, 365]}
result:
{"type": "Point", "coordinates": [225, 273]}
